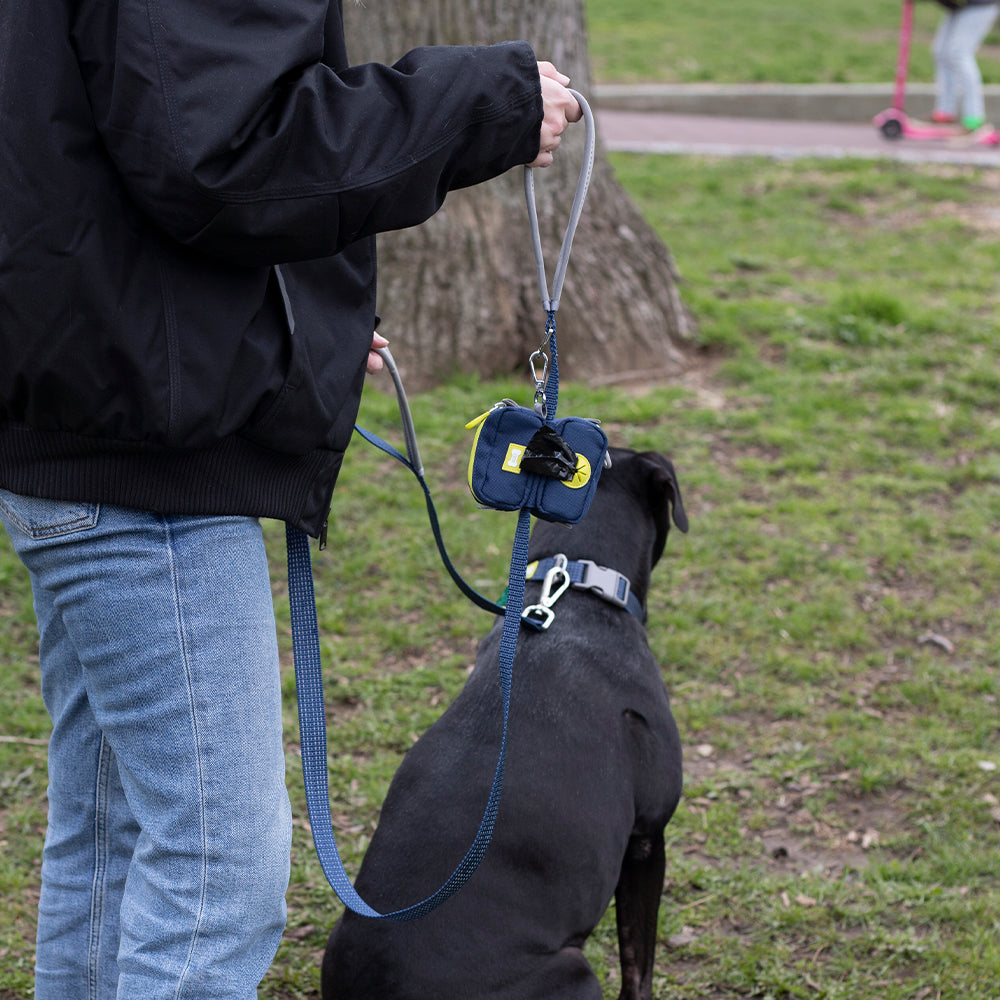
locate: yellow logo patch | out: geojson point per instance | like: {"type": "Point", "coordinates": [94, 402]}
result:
{"type": "Point", "coordinates": [512, 463]}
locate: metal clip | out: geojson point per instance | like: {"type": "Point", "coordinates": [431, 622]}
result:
{"type": "Point", "coordinates": [537, 356]}
{"type": "Point", "coordinates": [555, 584]}
{"type": "Point", "coordinates": [540, 401]}
{"type": "Point", "coordinates": [541, 406]}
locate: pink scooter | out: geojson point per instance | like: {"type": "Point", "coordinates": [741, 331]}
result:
{"type": "Point", "coordinates": [895, 123]}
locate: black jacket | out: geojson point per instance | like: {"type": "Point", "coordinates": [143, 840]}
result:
{"type": "Point", "coordinates": [189, 192]}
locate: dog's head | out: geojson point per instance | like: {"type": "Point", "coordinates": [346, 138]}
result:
{"type": "Point", "coordinates": [651, 476]}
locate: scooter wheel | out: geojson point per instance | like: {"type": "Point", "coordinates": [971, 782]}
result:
{"type": "Point", "coordinates": [892, 128]}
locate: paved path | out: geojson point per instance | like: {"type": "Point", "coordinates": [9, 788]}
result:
{"type": "Point", "coordinates": [662, 132]}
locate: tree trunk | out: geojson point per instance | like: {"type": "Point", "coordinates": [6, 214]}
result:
{"type": "Point", "coordinates": [460, 293]}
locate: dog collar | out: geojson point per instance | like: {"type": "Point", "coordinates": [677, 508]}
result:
{"type": "Point", "coordinates": [585, 574]}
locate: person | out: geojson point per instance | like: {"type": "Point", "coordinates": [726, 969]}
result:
{"type": "Point", "coordinates": [191, 193]}
{"type": "Point", "coordinates": [959, 83]}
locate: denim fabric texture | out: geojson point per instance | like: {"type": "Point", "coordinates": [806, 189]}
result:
{"type": "Point", "coordinates": [957, 75]}
{"type": "Point", "coordinates": [166, 856]}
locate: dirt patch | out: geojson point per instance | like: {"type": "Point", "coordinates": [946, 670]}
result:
{"type": "Point", "coordinates": [813, 824]}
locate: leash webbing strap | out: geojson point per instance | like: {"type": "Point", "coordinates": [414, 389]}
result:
{"type": "Point", "coordinates": [412, 461]}
{"type": "Point", "coordinates": [482, 602]}
{"type": "Point", "coordinates": [312, 725]}
{"type": "Point", "coordinates": [551, 302]}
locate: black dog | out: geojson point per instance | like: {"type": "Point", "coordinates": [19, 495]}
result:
{"type": "Point", "coordinates": [593, 775]}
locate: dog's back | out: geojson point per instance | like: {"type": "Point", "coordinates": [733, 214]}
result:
{"type": "Point", "coordinates": [593, 775]}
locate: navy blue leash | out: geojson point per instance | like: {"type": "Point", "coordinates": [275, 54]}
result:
{"type": "Point", "coordinates": [412, 461]}
{"type": "Point", "coordinates": [312, 725]}
{"type": "Point", "coordinates": [305, 627]}
{"type": "Point", "coordinates": [309, 684]}
{"type": "Point", "coordinates": [309, 687]}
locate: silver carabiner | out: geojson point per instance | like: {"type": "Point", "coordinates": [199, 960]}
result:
{"type": "Point", "coordinates": [541, 403]}
{"type": "Point", "coordinates": [557, 581]}
{"type": "Point", "coordinates": [535, 357]}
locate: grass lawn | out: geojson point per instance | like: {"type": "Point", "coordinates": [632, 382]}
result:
{"type": "Point", "coordinates": [827, 629]}
{"type": "Point", "coordinates": [762, 41]}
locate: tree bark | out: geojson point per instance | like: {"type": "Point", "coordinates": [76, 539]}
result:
{"type": "Point", "coordinates": [460, 293]}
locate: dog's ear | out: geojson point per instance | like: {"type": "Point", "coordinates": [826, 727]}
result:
{"type": "Point", "coordinates": [665, 495]}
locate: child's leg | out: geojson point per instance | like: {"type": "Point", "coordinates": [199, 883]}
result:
{"type": "Point", "coordinates": [946, 99]}
{"type": "Point", "coordinates": [970, 26]}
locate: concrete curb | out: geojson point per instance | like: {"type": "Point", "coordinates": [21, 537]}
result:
{"type": "Point", "coordinates": [847, 102]}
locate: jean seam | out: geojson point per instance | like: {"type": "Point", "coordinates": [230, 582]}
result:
{"type": "Point", "coordinates": [101, 850]}
{"type": "Point", "coordinates": [199, 769]}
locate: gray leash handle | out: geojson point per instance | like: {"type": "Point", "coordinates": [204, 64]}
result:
{"type": "Point", "coordinates": [551, 302]}
{"type": "Point", "coordinates": [409, 433]}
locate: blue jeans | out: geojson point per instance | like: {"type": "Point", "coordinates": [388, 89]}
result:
{"type": "Point", "coordinates": [957, 75]}
{"type": "Point", "coordinates": [166, 856]}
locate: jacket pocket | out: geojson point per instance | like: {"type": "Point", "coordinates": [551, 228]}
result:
{"type": "Point", "coordinates": [328, 316]}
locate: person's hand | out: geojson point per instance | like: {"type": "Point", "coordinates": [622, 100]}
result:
{"type": "Point", "coordinates": [375, 362]}
{"type": "Point", "coordinates": [559, 109]}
